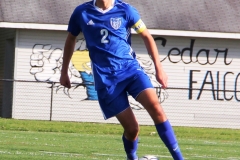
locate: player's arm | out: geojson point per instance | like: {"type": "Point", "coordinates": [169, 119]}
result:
{"type": "Point", "coordinates": [153, 51]}
{"type": "Point", "coordinates": [138, 25]}
{"type": "Point", "coordinates": [67, 55]}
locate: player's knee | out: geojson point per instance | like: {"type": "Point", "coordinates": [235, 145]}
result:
{"type": "Point", "coordinates": [132, 133]}
{"type": "Point", "coordinates": [155, 108]}
{"type": "Point", "coordinates": [156, 112]}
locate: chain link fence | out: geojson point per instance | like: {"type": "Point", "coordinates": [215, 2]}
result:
{"type": "Point", "coordinates": [50, 101]}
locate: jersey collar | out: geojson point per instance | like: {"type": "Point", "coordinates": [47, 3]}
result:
{"type": "Point", "coordinates": [103, 11]}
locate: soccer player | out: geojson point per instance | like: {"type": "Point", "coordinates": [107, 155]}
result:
{"type": "Point", "coordinates": [106, 26]}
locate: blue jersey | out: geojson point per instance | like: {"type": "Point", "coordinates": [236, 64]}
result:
{"type": "Point", "coordinates": [107, 34]}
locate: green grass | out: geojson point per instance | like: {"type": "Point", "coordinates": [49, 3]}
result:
{"type": "Point", "coordinates": [45, 140]}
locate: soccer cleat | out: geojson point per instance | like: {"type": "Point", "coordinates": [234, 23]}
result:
{"type": "Point", "coordinates": [130, 159]}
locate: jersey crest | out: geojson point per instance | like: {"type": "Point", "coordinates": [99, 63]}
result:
{"type": "Point", "coordinates": [116, 23]}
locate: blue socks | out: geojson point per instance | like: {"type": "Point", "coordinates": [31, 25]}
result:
{"type": "Point", "coordinates": [130, 148]}
{"type": "Point", "coordinates": [167, 135]}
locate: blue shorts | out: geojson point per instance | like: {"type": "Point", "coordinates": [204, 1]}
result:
{"type": "Point", "coordinates": [114, 99]}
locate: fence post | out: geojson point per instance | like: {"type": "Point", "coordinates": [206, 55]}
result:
{"type": "Point", "coordinates": [51, 103]}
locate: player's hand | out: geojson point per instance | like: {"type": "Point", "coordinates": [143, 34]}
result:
{"type": "Point", "coordinates": [64, 80]}
{"type": "Point", "coordinates": [162, 78]}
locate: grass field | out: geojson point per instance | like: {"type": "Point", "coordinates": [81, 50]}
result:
{"type": "Point", "coordinates": [45, 140]}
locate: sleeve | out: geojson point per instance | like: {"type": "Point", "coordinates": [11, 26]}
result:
{"type": "Point", "coordinates": [135, 21]}
{"type": "Point", "coordinates": [74, 23]}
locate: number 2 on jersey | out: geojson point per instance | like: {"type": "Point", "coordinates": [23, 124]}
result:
{"type": "Point", "coordinates": [104, 33]}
